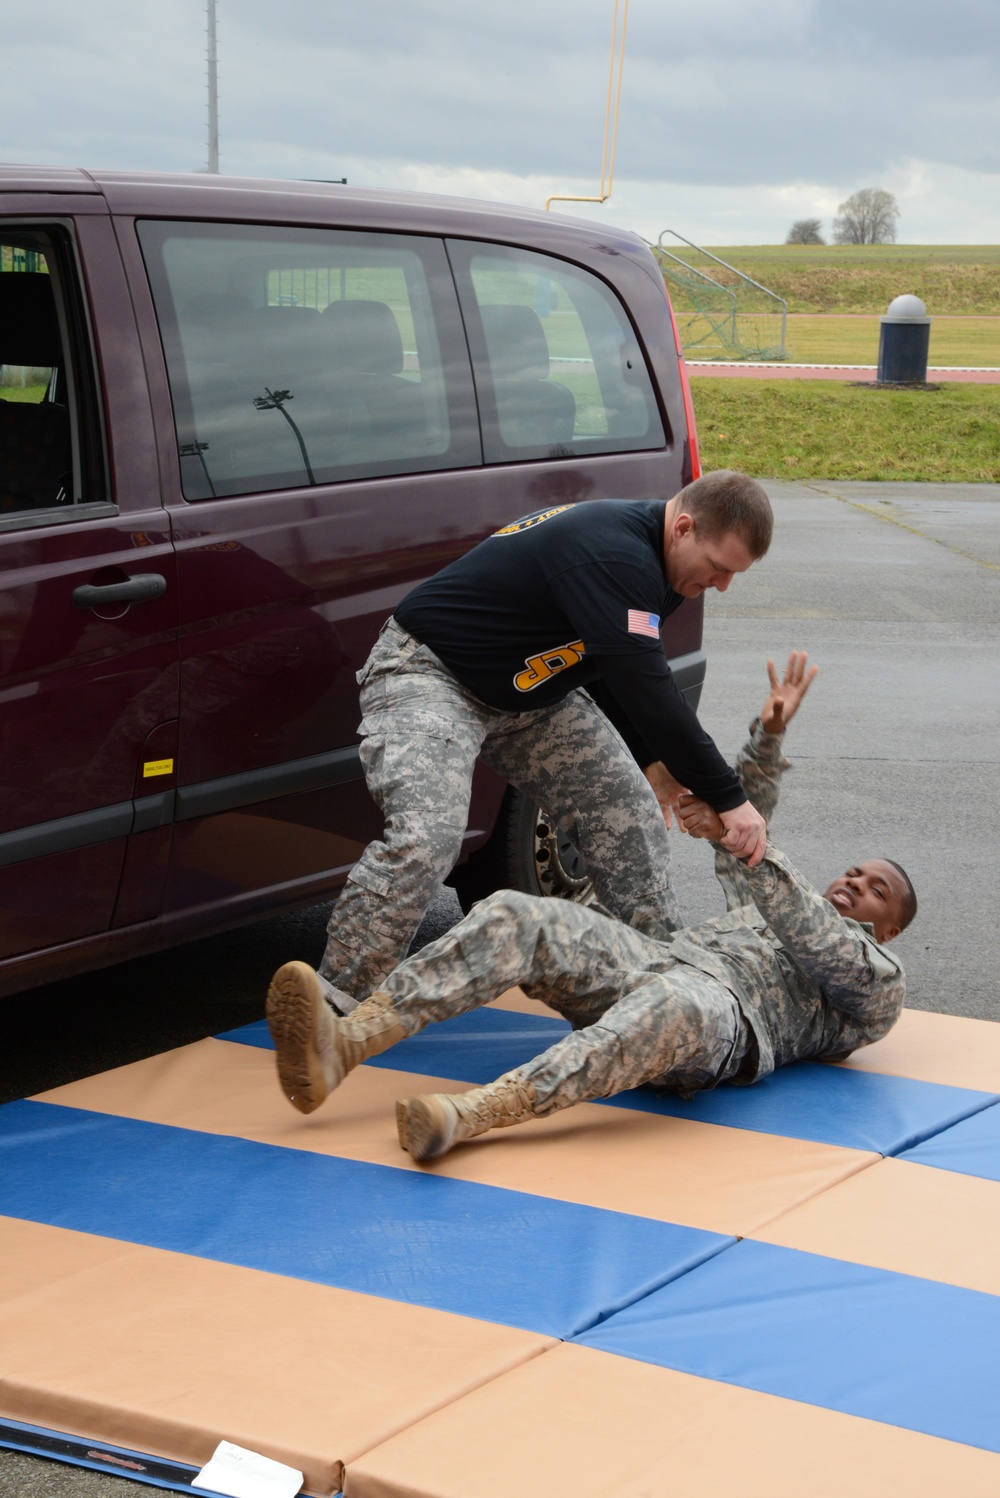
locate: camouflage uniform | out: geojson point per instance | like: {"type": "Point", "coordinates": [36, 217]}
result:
{"type": "Point", "coordinates": [781, 977]}
{"type": "Point", "coordinates": [422, 732]}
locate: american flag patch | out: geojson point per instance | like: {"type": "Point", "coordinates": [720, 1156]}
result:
{"type": "Point", "coordinates": [643, 624]}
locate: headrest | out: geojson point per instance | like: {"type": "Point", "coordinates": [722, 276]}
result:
{"type": "Point", "coordinates": [364, 337]}
{"type": "Point", "coordinates": [285, 316]}
{"type": "Point", "coordinates": [217, 311]}
{"type": "Point", "coordinates": [29, 330]}
{"type": "Point", "coordinates": [516, 343]}
{"type": "Point", "coordinates": [285, 344]}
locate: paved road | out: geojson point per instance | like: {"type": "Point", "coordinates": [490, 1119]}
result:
{"type": "Point", "coordinates": [895, 590]}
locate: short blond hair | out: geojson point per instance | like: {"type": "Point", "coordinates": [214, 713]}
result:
{"type": "Point", "coordinates": [726, 502]}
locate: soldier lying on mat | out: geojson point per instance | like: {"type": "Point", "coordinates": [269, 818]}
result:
{"type": "Point", "coordinates": [786, 974]}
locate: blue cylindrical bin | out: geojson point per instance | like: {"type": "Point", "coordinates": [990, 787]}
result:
{"type": "Point", "coordinates": [903, 342]}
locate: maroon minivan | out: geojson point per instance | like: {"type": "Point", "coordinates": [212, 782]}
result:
{"type": "Point", "coordinates": [238, 421]}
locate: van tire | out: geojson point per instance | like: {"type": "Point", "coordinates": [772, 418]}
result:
{"type": "Point", "coordinates": [526, 852]}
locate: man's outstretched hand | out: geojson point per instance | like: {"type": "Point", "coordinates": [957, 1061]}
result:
{"type": "Point", "coordinates": [743, 831]}
{"type": "Point", "coordinates": [785, 697]}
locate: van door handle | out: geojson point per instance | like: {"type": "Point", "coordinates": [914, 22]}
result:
{"type": "Point", "coordinates": [138, 589]}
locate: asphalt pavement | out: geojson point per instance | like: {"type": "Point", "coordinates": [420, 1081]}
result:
{"type": "Point", "coordinates": [894, 589]}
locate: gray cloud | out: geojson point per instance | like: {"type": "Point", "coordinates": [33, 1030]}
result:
{"type": "Point", "coordinates": [728, 93]}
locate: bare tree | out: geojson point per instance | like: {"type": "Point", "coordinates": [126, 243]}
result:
{"type": "Point", "coordinates": [867, 217]}
{"type": "Point", "coordinates": [805, 231]}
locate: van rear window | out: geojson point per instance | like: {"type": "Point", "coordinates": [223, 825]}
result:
{"type": "Point", "coordinates": [558, 365]}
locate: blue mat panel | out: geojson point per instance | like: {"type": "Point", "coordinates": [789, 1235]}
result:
{"type": "Point", "coordinates": [402, 1235]}
{"type": "Point", "coordinates": [971, 1148]}
{"type": "Point", "coordinates": [475, 1048]}
{"type": "Point", "coordinates": [889, 1347]}
{"type": "Point", "coordinates": [824, 1104]}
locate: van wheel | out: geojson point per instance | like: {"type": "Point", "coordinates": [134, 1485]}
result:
{"type": "Point", "coordinates": [527, 852]}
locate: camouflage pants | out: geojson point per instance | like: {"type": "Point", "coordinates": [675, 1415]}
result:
{"type": "Point", "coordinates": [642, 1016]}
{"type": "Point", "coordinates": [421, 734]}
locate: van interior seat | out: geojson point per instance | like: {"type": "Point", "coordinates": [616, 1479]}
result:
{"type": "Point", "coordinates": [229, 341]}
{"type": "Point", "coordinates": [210, 325]}
{"type": "Point", "coordinates": [35, 461]}
{"type": "Point", "coordinates": [213, 329]}
{"type": "Point", "coordinates": [292, 352]}
{"type": "Point", "coordinates": [364, 337]}
{"type": "Point", "coordinates": [365, 348]}
{"type": "Point", "coordinates": [35, 472]}
{"type": "Point", "coordinates": [533, 409]}
{"type": "Point", "coordinates": [286, 345]}
{"type": "Point", "coordinates": [236, 353]}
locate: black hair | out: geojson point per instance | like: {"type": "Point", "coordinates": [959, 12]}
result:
{"type": "Point", "coordinates": [909, 907]}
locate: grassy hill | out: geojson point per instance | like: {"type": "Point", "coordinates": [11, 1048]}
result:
{"type": "Point", "coordinates": [955, 279]}
{"type": "Point", "coordinates": [813, 429]}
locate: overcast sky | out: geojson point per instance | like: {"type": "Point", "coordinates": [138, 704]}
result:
{"type": "Point", "coordinates": [737, 116]}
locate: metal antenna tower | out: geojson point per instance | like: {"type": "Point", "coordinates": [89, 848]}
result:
{"type": "Point", "coordinates": [610, 120]}
{"type": "Point", "coordinates": [213, 92]}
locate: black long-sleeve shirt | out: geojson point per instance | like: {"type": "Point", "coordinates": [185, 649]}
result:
{"type": "Point", "coordinates": [563, 598]}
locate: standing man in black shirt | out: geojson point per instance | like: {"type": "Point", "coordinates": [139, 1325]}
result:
{"type": "Point", "coordinates": [489, 659]}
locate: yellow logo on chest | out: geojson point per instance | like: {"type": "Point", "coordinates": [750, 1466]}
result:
{"type": "Point", "coordinates": [538, 668]}
{"type": "Point", "coordinates": [532, 520]}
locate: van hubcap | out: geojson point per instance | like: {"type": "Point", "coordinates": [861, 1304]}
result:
{"type": "Point", "coordinates": [558, 866]}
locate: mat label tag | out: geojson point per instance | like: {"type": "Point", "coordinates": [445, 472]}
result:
{"type": "Point", "coordinates": [240, 1473]}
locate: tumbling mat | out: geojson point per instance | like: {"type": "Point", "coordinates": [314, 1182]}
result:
{"type": "Point", "coordinates": [827, 1104]}
{"type": "Point", "coordinates": [787, 1288]}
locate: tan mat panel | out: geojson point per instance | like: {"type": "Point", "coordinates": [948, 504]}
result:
{"type": "Point", "coordinates": [576, 1423]}
{"type": "Point", "coordinates": [521, 1004]}
{"type": "Point", "coordinates": [906, 1217]}
{"type": "Point", "coordinates": [674, 1170]}
{"type": "Point", "coordinates": [21, 1273]}
{"type": "Point", "coordinates": [169, 1354]}
{"type": "Point", "coordinates": [937, 1048]}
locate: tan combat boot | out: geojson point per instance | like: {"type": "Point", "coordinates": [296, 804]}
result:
{"type": "Point", "coordinates": [428, 1126]}
{"type": "Point", "coordinates": [316, 1048]}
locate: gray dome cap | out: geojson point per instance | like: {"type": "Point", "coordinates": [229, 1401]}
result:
{"type": "Point", "coordinates": [906, 309]}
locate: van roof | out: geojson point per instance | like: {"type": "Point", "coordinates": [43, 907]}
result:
{"type": "Point", "coordinates": [258, 199]}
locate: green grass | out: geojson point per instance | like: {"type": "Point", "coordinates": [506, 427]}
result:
{"type": "Point", "coordinates": [809, 429]}
{"type": "Point", "coordinates": [854, 340]}
{"type": "Point", "coordinates": [958, 279]}
{"type": "Point", "coordinates": [838, 338]}
{"type": "Point", "coordinates": [861, 254]}
{"type": "Point", "coordinates": [32, 394]}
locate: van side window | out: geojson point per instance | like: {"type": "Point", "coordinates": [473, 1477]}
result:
{"type": "Point", "coordinates": [40, 440]}
{"type": "Point", "coordinates": [302, 356]}
{"type": "Point", "coordinates": [558, 365]}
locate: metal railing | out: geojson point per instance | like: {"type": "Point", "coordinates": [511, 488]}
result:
{"type": "Point", "coordinates": [722, 313]}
